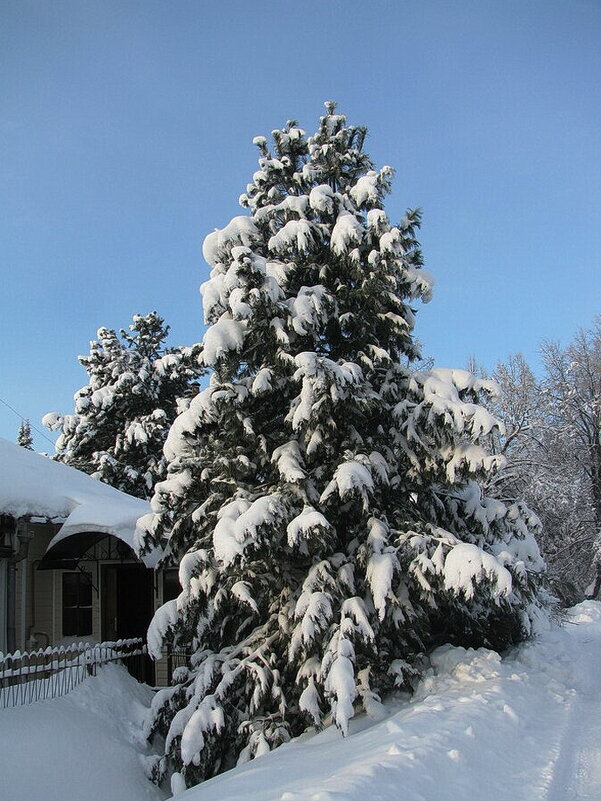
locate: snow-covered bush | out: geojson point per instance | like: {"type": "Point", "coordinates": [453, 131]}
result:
{"type": "Point", "coordinates": [322, 498]}
{"type": "Point", "coordinates": [136, 388]}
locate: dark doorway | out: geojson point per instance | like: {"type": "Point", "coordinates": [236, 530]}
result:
{"type": "Point", "coordinates": [127, 609]}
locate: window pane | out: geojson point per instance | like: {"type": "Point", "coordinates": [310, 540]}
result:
{"type": "Point", "coordinates": [77, 604]}
{"type": "Point", "coordinates": [85, 589]}
{"type": "Point", "coordinates": [70, 589]}
{"type": "Point", "coordinates": [69, 622]}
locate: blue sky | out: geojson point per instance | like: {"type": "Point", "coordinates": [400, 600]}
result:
{"type": "Point", "coordinates": [126, 132]}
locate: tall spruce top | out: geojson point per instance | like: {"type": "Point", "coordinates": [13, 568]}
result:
{"type": "Point", "coordinates": [318, 265]}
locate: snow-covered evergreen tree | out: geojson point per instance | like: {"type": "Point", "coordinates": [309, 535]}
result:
{"type": "Point", "coordinates": [24, 437]}
{"type": "Point", "coordinates": [136, 388]}
{"type": "Point", "coordinates": [322, 499]}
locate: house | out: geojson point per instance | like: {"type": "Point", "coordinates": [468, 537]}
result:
{"type": "Point", "coordinates": [69, 568]}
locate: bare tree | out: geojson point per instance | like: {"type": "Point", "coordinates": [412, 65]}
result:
{"type": "Point", "coordinates": [573, 388]}
{"type": "Point", "coordinates": [520, 406]}
{"type": "Point", "coordinates": [548, 443]}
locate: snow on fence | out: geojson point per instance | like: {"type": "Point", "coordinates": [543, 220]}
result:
{"type": "Point", "coordinates": [30, 676]}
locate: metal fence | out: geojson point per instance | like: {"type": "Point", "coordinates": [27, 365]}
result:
{"type": "Point", "coordinates": [30, 676]}
{"type": "Point", "coordinates": [176, 658]}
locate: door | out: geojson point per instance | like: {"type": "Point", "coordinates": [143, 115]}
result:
{"type": "Point", "coordinates": [127, 608]}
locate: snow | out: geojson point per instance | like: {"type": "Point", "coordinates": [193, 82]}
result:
{"type": "Point", "coordinates": [297, 204]}
{"type": "Point", "coordinates": [340, 682]}
{"type": "Point", "coordinates": [262, 381]}
{"type": "Point", "coordinates": [209, 715]}
{"type": "Point", "coordinates": [321, 198]}
{"type": "Point", "coordinates": [442, 388]}
{"type": "Point", "coordinates": [239, 231]}
{"type": "Point", "coordinates": [297, 234]}
{"type": "Point", "coordinates": [164, 618]}
{"type": "Point", "coordinates": [227, 541]}
{"type": "Point", "coordinates": [366, 189]}
{"type": "Point", "coordinates": [222, 337]}
{"type": "Point", "coordinates": [289, 461]}
{"type": "Point", "coordinates": [35, 486]}
{"type": "Point", "coordinates": [241, 591]}
{"type": "Point", "coordinates": [527, 727]}
{"type": "Point", "coordinates": [308, 521]}
{"type": "Point", "coordinates": [87, 745]}
{"type": "Point", "coordinates": [239, 522]}
{"type": "Point", "coordinates": [308, 308]}
{"type": "Point", "coordinates": [346, 232]}
{"type": "Point", "coordinates": [380, 572]}
{"type": "Point", "coordinates": [314, 611]}
{"type": "Point", "coordinates": [349, 478]}
{"type": "Point", "coordinates": [465, 566]}
{"type": "Point", "coordinates": [377, 222]}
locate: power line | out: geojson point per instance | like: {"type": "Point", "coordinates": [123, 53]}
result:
{"type": "Point", "coordinates": [23, 417]}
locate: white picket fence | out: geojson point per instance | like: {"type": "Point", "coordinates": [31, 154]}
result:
{"type": "Point", "coordinates": [29, 676]}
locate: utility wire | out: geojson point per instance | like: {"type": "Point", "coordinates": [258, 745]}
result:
{"type": "Point", "coordinates": [23, 417]}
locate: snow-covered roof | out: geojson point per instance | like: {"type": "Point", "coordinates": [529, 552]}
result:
{"type": "Point", "coordinates": [35, 486]}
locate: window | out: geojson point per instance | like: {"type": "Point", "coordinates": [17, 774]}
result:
{"type": "Point", "coordinates": [77, 604]}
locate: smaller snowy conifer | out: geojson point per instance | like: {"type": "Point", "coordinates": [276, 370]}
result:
{"type": "Point", "coordinates": [136, 388]}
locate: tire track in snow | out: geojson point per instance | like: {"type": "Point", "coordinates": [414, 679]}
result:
{"type": "Point", "coordinates": [576, 772]}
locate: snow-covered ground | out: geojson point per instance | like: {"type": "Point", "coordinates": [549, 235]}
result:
{"type": "Point", "coordinates": [523, 728]}
{"type": "Point", "coordinates": [82, 747]}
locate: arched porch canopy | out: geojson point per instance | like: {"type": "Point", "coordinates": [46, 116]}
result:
{"type": "Point", "coordinates": [110, 540]}
{"type": "Point", "coordinates": [66, 553]}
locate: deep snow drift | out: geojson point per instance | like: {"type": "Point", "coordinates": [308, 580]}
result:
{"type": "Point", "coordinates": [523, 728]}
{"type": "Point", "coordinates": [82, 747]}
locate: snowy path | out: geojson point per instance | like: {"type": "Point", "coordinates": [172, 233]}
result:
{"type": "Point", "coordinates": [576, 773]}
